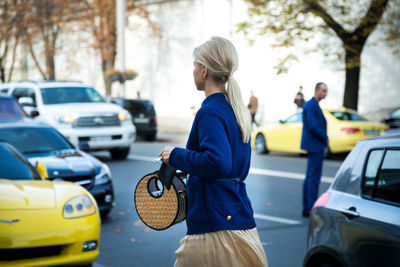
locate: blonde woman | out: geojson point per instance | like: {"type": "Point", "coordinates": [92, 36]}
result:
{"type": "Point", "coordinates": [221, 227]}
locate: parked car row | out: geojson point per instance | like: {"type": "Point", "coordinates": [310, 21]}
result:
{"type": "Point", "coordinates": [345, 128]}
{"type": "Point", "coordinates": [79, 112]}
{"type": "Point", "coordinates": [42, 222]}
{"type": "Point", "coordinates": [63, 162]}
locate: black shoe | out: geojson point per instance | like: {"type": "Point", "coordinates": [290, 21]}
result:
{"type": "Point", "coordinates": [305, 214]}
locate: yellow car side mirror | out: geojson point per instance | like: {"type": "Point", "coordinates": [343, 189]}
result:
{"type": "Point", "coordinates": [42, 170]}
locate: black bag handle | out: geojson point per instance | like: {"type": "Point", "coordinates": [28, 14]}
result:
{"type": "Point", "coordinates": [166, 174]}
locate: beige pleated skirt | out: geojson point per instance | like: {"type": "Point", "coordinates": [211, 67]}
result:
{"type": "Point", "coordinates": [233, 248]}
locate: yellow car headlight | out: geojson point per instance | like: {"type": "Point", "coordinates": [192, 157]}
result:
{"type": "Point", "coordinates": [79, 206]}
{"type": "Point", "coordinates": [122, 116]}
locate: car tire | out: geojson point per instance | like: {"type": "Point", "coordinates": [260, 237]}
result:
{"type": "Point", "coordinates": [151, 137]}
{"type": "Point", "coordinates": [104, 213]}
{"type": "Point", "coordinates": [120, 153]}
{"type": "Point", "coordinates": [260, 144]}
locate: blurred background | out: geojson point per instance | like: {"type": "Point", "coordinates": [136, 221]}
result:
{"type": "Point", "coordinates": [281, 45]}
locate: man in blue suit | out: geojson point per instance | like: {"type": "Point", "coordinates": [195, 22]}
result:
{"type": "Point", "coordinates": [314, 140]}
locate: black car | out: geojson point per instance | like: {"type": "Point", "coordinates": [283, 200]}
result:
{"type": "Point", "coordinates": [393, 119]}
{"type": "Point", "coordinates": [63, 162]}
{"type": "Point", "coordinates": [357, 221]}
{"type": "Point", "coordinates": [143, 116]}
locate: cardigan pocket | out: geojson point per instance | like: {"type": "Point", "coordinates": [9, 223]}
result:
{"type": "Point", "coordinates": [228, 209]}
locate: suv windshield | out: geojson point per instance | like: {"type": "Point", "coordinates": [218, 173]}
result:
{"type": "Point", "coordinates": [10, 109]}
{"type": "Point", "coordinates": [34, 140]}
{"type": "Point", "coordinates": [61, 95]}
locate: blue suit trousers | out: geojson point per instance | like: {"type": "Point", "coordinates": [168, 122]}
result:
{"type": "Point", "coordinates": [313, 178]}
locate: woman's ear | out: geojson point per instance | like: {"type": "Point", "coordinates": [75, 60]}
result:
{"type": "Point", "coordinates": [204, 72]}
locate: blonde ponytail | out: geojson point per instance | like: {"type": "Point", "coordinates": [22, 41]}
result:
{"type": "Point", "coordinates": [220, 57]}
{"type": "Point", "coordinates": [241, 112]}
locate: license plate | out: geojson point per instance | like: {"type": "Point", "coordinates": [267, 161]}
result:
{"type": "Point", "coordinates": [371, 132]}
{"type": "Point", "coordinates": [141, 120]}
{"type": "Point", "coordinates": [100, 138]}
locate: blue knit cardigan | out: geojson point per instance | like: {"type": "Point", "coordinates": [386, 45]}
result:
{"type": "Point", "coordinates": [215, 153]}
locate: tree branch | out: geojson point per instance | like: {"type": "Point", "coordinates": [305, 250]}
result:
{"type": "Point", "coordinates": [371, 19]}
{"type": "Point", "coordinates": [13, 58]}
{"type": "Point", "coordinates": [314, 7]}
{"type": "Point", "coordinates": [35, 59]}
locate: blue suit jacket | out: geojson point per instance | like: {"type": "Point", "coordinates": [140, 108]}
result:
{"type": "Point", "coordinates": [215, 152]}
{"type": "Point", "coordinates": [314, 136]}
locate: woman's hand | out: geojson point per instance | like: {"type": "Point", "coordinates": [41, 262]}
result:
{"type": "Point", "coordinates": [165, 153]}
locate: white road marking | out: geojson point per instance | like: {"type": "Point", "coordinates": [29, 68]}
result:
{"type": "Point", "coordinates": [142, 158]}
{"type": "Point", "coordinates": [259, 171]}
{"type": "Point", "coordinates": [275, 219]}
{"type": "Point", "coordinates": [290, 175]}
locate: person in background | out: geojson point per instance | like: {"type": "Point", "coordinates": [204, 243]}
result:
{"type": "Point", "coordinates": [299, 98]}
{"type": "Point", "coordinates": [253, 107]}
{"type": "Point", "coordinates": [221, 230]}
{"type": "Point", "coordinates": [314, 140]}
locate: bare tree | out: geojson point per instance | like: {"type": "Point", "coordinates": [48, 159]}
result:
{"type": "Point", "coordinates": [12, 14]}
{"type": "Point", "coordinates": [43, 25]}
{"type": "Point", "coordinates": [101, 19]}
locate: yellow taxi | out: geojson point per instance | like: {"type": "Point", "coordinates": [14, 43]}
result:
{"type": "Point", "coordinates": [345, 127]}
{"type": "Point", "coordinates": [44, 223]}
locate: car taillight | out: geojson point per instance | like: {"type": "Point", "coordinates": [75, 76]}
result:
{"type": "Point", "coordinates": [155, 120]}
{"type": "Point", "coordinates": [350, 130]}
{"type": "Point", "coordinates": [321, 201]}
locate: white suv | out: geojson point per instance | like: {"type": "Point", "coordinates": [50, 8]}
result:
{"type": "Point", "coordinates": [79, 112]}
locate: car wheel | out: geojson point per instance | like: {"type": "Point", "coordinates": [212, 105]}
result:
{"type": "Point", "coordinates": [119, 153]}
{"type": "Point", "coordinates": [104, 213]}
{"type": "Point", "coordinates": [151, 137]}
{"type": "Point", "coordinates": [261, 144]}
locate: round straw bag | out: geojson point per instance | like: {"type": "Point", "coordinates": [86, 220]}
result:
{"type": "Point", "coordinates": [158, 207]}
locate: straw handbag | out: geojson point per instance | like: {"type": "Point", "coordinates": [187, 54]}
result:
{"type": "Point", "coordinates": [161, 202]}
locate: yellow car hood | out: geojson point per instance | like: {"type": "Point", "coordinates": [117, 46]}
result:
{"type": "Point", "coordinates": [26, 195]}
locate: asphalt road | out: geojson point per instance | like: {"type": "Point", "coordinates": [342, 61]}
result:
{"type": "Point", "coordinates": [274, 186]}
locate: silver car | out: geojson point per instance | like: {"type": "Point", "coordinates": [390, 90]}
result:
{"type": "Point", "coordinates": [357, 221]}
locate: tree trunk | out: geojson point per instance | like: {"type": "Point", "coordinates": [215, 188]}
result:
{"type": "Point", "coordinates": [106, 65]}
{"type": "Point", "coordinates": [51, 73]}
{"type": "Point", "coordinates": [353, 61]}
{"type": "Point", "coordinates": [2, 75]}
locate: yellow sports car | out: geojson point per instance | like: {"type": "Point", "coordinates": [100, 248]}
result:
{"type": "Point", "coordinates": [44, 223]}
{"type": "Point", "coordinates": [345, 127]}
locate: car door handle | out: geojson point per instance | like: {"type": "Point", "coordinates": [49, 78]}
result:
{"type": "Point", "coordinates": [351, 212]}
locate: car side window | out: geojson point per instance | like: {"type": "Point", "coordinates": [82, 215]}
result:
{"type": "Point", "coordinates": [382, 176]}
{"type": "Point", "coordinates": [388, 186]}
{"type": "Point", "coordinates": [24, 92]}
{"type": "Point", "coordinates": [371, 171]}
{"type": "Point", "coordinates": [295, 118]}
{"type": "Point", "coordinates": [4, 90]}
